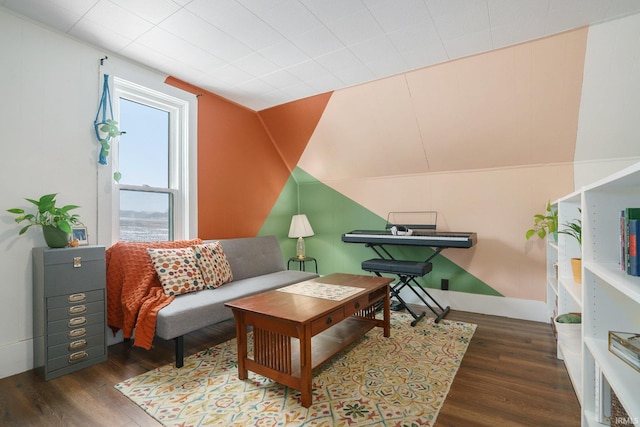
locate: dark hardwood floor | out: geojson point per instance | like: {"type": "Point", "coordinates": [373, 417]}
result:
{"type": "Point", "coordinates": [509, 377]}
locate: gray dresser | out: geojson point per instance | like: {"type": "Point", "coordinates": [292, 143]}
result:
{"type": "Point", "coordinates": [69, 309]}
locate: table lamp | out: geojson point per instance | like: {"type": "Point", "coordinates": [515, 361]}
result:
{"type": "Point", "coordinates": [300, 228]}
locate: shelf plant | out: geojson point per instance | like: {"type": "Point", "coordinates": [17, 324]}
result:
{"type": "Point", "coordinates": [55, 221]}
{"type": "Point", "coordinates": [574, 229]}
{"type": "Point", "coordinates": [544, 224]}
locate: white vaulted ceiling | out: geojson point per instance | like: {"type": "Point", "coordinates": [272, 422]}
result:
{"type": "Point", "coordinates": [262, 53]}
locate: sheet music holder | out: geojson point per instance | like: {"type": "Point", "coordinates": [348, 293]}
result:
{"type": "Point", "coordinates": [418, 220]}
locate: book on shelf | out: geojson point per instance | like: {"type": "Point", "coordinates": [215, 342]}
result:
{"type": "Point", "coordinates": [626, 215]}
{"type": "Point", "coordinates": [626, 346]}
{"type": "Point", "coordinates": [634, 235]}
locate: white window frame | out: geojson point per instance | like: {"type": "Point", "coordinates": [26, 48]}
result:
{"type": "Point", "coordinates": [181, 166]}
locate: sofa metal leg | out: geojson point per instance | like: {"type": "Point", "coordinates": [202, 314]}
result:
{"type": "Point", "coordinates": [179, 351]}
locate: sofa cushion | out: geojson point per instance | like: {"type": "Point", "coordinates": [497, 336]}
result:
{"type": "Point", "coordinates": [177, 270]}
{"type": "Point", "coordinates": [196, 310]}
{"type": "Point", "coordinates": [253, 256]}
{"type": "Point", "coordinates": [213, 264]}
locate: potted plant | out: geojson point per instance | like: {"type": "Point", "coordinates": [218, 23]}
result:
{"type": "Point", "coordinates": [544, 224]}
{"type": "Point", "coordinates": [107, 133]}
{"type": "Point", "coordinates": [574, 229]}
{"type": "Point", "coordinates": [568, 327]}
{"type": "Point", "coordinates": [55, 221]}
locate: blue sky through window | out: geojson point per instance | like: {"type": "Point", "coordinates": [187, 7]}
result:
{"type": "Point", "coordinates": [143, 157]}
{"type": "Point", "coordinates": [144, 148]}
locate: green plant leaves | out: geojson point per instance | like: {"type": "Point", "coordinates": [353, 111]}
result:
{"type": "Point", "coordinates": [544, 224]}
{"type": "Point", "coordinates": [110, 127]}
{"type": "Point", "coordinates": [47, 214]}
{"type": "Point", "coordinates": [569, 318]}
{"type": "Point", "coordinates": [574, 229]}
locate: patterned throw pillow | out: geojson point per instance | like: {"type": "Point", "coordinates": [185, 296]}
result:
{"type": "Point", "coordinates": [177, 270]}
{"type": "Point", "coordinates": [213, 264]}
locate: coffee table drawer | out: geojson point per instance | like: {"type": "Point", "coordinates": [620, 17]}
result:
{"type": "Point", "coordinates": [327, 321]}
{"type": "Point", "coordinates": [357, 305]}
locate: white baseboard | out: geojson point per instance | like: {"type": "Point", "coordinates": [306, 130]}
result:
{"type": "Point", "coordinates": [483, 304]}
{"type": "Point", "coordinates": [16, 358]}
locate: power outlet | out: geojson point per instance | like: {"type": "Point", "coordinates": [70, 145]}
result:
{"type": "Point", "coordinates": [444, 284]}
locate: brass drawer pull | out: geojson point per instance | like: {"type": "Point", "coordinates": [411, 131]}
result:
{"type": "Point", "coordinates": [77, 345]}
{"type": "Point", "coordinates": [73, 298]}
{"type": "Point", "coordinates": [76, 333]}
{"type": "Point", "coordinates": [77, 321]}
{"type": "Point", "coordinates": [77, 309]}
{"type": "Point", "coordinates": [78, 356]}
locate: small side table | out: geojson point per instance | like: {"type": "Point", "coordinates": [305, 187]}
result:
{"type": "Point", "coordinates": [301, 263]}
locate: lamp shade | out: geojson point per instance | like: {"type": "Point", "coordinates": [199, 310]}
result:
{"type": "Point", "coordinates": [300, 227]}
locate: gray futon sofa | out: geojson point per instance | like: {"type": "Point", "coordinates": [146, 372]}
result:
{"type": "Point", "coordinates": [257, 266]}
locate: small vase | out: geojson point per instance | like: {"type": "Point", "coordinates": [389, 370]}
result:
{"type": "Point", "coordinates": [576, 267]}
{"type": "Point", "coordinates": [55, 237]}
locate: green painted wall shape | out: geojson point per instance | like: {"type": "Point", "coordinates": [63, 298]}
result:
{"type": "Point", "coordinates": [331, 214]}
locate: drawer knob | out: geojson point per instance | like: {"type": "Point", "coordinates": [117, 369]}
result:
{"type": "Point", "coordinates": [77, 321]}
{"type": "Point", "coordinates": [329, 320]}
{"type": "Point", "coordinates": [77, 309]}
{"type": "Point", "coordinates": [78, 356]}
{"type": "Point", "coordinates": [357, 304]}
{"type": "Point", "coordinates": [77, 345]}
{"type": "Point", "coordinates": [76, 333]}
{"type": "Point", "coordinates": [73, 298]}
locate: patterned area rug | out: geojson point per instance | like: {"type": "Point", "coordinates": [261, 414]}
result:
{"type": "Point", "coordinates": [398, 381]}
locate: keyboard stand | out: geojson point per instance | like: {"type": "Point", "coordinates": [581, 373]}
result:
{"type": "Point", "coordinates": [407, 272]}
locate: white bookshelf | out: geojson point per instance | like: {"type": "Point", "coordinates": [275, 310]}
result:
{"type": "Point", "coordinates": [569, 292]}
{"type": "Point", "coordinates": [608, 298]}
{"type": "Point", "coordinates": [611, 297]}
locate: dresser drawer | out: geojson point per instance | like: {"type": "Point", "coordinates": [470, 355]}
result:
{"type": "Point", "coordinates": [75, 310]}
{"type": "Point", "coordinates": [75, 298]}
{"type": "Point", "coordinates": [76, 357]}
{"type": "Point", "coordinates": [71, 270]}
{"type": "Point", "coordinates": [74, 346]}
{"type": "Point", "coordinates": [76, 334]}
{"type": "Point", "coordinates": [66, 325]}
{"type": "Point", "coordinates": [327, 321]}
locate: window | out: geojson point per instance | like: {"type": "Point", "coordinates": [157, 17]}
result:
{"type": "Point", "coordinates": [149, 201]}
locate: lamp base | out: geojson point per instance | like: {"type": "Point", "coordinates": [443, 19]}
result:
{"type": "Point", "coordinates": [300, 248]}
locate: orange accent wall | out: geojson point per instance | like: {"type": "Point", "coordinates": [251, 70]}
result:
{"type": "Point", "coordinates": [242, 166]}
{"type": "Point", "coordinates": [291, 125]}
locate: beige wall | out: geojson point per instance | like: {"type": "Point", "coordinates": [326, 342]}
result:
{"type": "Point", "coordinates": [484, 140]}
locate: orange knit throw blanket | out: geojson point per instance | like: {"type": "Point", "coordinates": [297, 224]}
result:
{"type": "Point", "coordinates": [134, 293]}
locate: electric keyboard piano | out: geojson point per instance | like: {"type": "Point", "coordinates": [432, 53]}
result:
{"type": "Point", "coordinates": [408, 271]}
{"type": "Point", "coordinates": [429, 238]}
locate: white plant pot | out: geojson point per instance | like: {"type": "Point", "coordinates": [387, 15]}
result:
{"type": "Point", "coordinates": [569, 334]}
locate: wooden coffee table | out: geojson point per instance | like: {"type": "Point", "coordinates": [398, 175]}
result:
{"type": "Point", "coordinates": [294, 333]}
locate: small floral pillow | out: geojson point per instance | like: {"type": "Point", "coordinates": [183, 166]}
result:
{"type": "Point", "coordinates": [213, 263]}
{"type": "Point", "coordinates": [177, 270]}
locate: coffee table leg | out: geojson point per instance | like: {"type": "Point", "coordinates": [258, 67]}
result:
{"type": "Point", "coordinates": [387, 314]}
{"type": "Point", "coordinates": [241, 338]}
{"type": "Point", "coordinates": [306, 380]}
